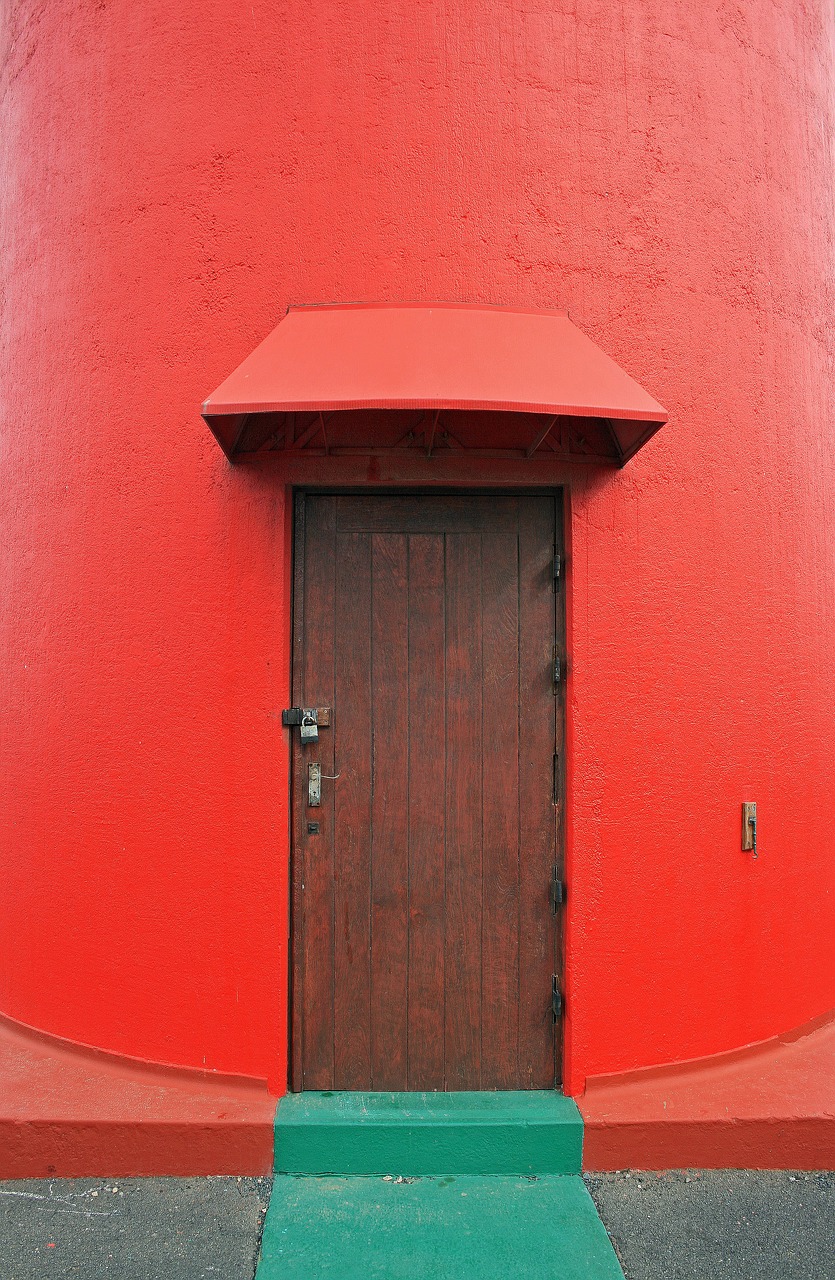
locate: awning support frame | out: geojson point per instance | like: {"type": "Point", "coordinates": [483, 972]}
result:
{"type": "Point", "coordinates": [542, 435]}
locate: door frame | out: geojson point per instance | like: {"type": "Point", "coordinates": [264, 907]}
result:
{"type": "Point", "coordinates": [294, 562]}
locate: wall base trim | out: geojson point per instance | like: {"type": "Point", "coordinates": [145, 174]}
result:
{"type": "Point", "coordinates": [769, 1107]}
{"type": "Point", "coordinates": [67, 1111]}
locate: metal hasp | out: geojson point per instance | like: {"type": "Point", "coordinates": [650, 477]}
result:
{"type": "Point", "coordinates": [749, 829]}
{"type": "Point", "coordinates": [308, 720]}
{"type": "Point", "coordinates": [314, 785]}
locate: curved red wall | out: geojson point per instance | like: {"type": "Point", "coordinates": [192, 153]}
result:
{"type": "Point", "coordinates": [172, 177]}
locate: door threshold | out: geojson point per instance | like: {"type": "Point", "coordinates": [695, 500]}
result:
{"type": "Point", "coordinates": [521, 1132]}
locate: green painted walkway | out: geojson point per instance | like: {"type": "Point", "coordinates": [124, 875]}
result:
{"type": "Point", "coordinates": [453, 1228]}
{"type": "Point", "coordinates": [447, 1186]}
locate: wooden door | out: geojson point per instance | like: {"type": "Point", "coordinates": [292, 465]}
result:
{"type": "Point", "coordinates": [425, 938]}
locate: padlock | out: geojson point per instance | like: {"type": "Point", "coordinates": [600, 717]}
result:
{"type": "Point", "coordinates": [309, 728]}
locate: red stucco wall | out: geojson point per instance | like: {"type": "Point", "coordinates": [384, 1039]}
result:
{"type": "Point", "coordinates": [172, 177]}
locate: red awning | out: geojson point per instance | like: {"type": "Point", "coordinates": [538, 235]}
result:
{"type": "Point", "coordinates": [442, 358]}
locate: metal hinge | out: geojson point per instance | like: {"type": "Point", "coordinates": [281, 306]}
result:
{"type": "Point", "coordinates": [556, 998]}
{"type": "Point", "coordinates": [557, 569]}
{"type": "Point", "coordinates": [557, 893]}
{"type": "Point", "coordinates": [557, 670]}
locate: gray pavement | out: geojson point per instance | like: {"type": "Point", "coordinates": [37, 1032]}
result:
{"type": "Point", "coordinates": [719, 1224]}
{"type": "Point", "coordinates": [708, 1225]}
{"type": "Point", "coordinates": [131, 1228]}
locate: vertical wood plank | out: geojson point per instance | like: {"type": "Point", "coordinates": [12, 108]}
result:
{"type": "Point", "coordinates": [463, 812]}
{"type": "Point", "coordinates": [352, 806]}
{"type": "Point", "coordinates": [500, 852]}
{"type": "Point", "coordinates": [426, 799]}
{"type": "Point", "coordinates": [559, 747]}
{"type": "Point", "coordinates": [316, 688]}
{"type": "Point", "coordinates": [297, 845]}
{"type": "Point", "coordinates": [389, 813]}
{"type": "Point", "coordinates": [538, 815]}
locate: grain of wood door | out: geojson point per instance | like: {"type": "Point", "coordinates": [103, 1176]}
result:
{"type": "Point", "coordinates": [425, 938]}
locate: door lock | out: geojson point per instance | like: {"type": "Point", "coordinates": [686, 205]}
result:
{"type": "Point", "coordinates": [308, 720]}
{"type": "Point", "coordinates": [309, 729]}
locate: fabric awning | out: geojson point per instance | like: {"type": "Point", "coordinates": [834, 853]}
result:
{"type": "Point", "coordinates": [456, 359]}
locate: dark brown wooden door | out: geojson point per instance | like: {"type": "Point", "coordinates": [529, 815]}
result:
{"type": "Point", "coordinates": [424, 937]}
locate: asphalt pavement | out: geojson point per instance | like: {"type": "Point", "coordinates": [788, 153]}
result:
{"type": "Point", "coordinates": [131, 1228]}
{"type": "Point", "coordinates": [691, 1225]}
{"type": "Point", "coordinates": [719, 1224]}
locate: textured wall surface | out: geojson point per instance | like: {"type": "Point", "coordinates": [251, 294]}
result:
{"type": "Point", "coordinates": [172, 177]}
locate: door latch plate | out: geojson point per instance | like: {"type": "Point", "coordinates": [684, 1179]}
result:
{"type": "Point", "coordinates": [314, 785]}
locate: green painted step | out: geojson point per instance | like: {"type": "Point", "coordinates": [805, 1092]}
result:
{"type": "Point", "coordinates": [413, 1134]}
{"type": "Point", "coordinates": [451, 1228]}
